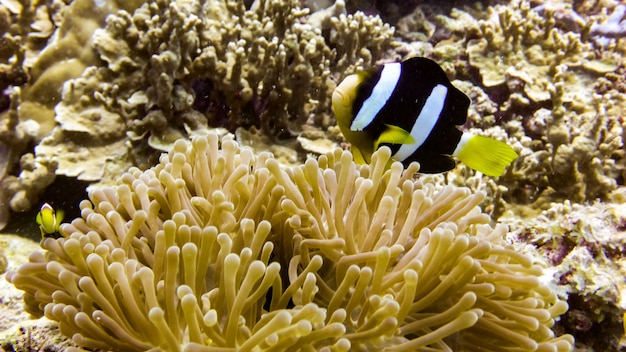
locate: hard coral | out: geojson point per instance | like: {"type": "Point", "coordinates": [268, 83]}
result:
{"type": "Point", "coordinates": [25, 27]}
{"type": "Point", "coordinates": [525, 42]}
{"type": "Point", "coordinates": [579, 154]}
{"type": "Point", "coordinates": [36, 175]}
{"type": "Point", "coordinates": [584, 243]}
{"type": "Point", "coordinates": [553, 95]}
{"type": "Point", "coordinates": [613, 27]}
{"type": "Point", "coordinates": [218, 247]}
{"type": "Point", "coordinates": [44, 44]}
{"type": "Point", "coordinates": [173, 67]}
{"type": "Point", "coordinates": [64, 57]}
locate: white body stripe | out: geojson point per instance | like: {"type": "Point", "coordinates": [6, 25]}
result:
{"type": "Point", "coordinates": [425, 122]}
{"type": "Point", "coordinates": [465, 137]}
{"type": "Point", "coordinates": [380, 94]}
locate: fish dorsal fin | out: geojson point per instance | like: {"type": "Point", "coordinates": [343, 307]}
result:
{"type": "Point", "coordinates": [484, 154]}
{"type": "Point", "coordinates": [394, 135]}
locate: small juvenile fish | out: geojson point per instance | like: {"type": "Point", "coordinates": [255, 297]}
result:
{"type": "Point", "coordinates": [412, 107]}
{"type": "Point", "coordinates": [49, 220]}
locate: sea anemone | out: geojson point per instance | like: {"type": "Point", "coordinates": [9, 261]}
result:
{"type": "Point", "coordinates": [216, 248]}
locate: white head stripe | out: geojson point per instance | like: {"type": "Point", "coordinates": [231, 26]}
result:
{"type": "Point", "coordinates": [425, 122]}
{"type": "Point", "coordinates": [380, 94]}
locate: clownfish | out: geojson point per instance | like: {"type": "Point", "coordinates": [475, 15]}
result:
{"type": "Point", "coordinates": [412, 108]}
{"type": "Point", "coordinates": [49, 220]}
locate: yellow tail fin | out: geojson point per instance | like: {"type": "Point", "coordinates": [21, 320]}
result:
{"type": "Point", "coordinates": [484, 154]}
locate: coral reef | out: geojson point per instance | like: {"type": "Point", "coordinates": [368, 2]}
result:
{"type": "Point", "coordinates": [574, 143]}
{"type": "Point", "coordinates": [522, 44]}
{"type": "Point", "coordinates": [542, 75]}
{"type": "Point", "coordinates": [218, 247]}
{"type": "Point", "coordinates": [547, 76]}
{"type": "Point", "coordinates": [173, 67]}
{"type": "Point", "coordinates": [25, 27]}
{"type": "Point", "coordinates": [20, 192]}
{"type": "Point", "coordinates": [45, 43]}
{"type": "Point", "coordinates": [36, 175]}
{"type": "Point", "coordinates": [613, 27]}
{"type": "Point", "coordinates": [157, 73]}
{"type": "Point", "coordinates": [534, 70]}
{"type": "Point", "coordinates": [584, 246]}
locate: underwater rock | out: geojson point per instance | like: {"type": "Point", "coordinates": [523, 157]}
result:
{"type": "Point", "coordinates": [583, 244]}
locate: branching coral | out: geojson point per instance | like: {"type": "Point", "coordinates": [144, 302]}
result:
{"type": "Point", "coordinates": [558, 100]}
{"type": "Point", "coordinates": [579, 154]}
{"type": "Point", "coordinates": [172, 67]}
{"type": "Point", "coordinates": [44, 43]}
{"type": "Point", "coordinates": [523, 44]}
{"type": "Point", "coordinates": [36, 175]}
{"type": "Point", "coordinates": [218, 247]}
{"type": "Point", "coordinates": [66, 55]}
{"type": "Point", "coordinates": [25, 27]}
{"type": "Point", "coordinates": [158, 72]}
{"type": "Point", "coordinates": [172, 64]}
{"type": "Point", "coordinates": [613, 27]}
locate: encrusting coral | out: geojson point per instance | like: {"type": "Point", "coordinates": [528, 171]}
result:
{"type": "Point", "coordinates": [218, 247]}
{"type": "Point", "coordinates": [584, 246]}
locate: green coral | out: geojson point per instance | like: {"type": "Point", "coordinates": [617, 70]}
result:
{"type": "Point", "coordinates": [216, 247]}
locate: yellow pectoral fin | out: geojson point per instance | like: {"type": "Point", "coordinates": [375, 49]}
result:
{"type": "Point", "coordinates": [38, 219]}
{"type": "Point", "coordinates": [358, 156]}
{"type": "Point", "coordinates": [394, 135]}
{"type": "Point", "coordinates": [484, 154]}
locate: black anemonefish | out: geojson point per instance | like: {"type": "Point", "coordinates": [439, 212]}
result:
{"type": "Point", "coordinates": [412, 107]}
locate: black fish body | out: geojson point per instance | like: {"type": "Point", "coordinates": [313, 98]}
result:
{"type": "Point", "coordinates": [414, 109]}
